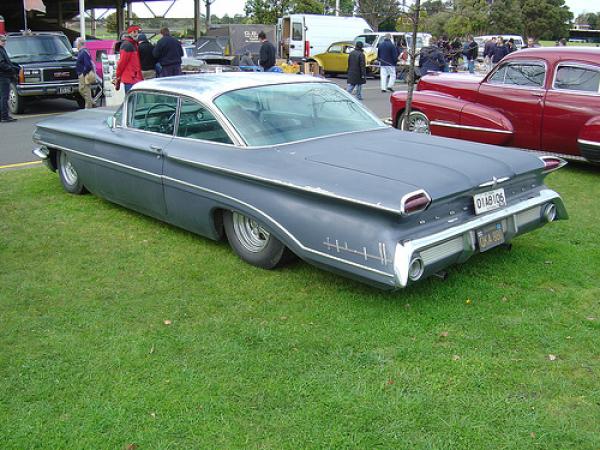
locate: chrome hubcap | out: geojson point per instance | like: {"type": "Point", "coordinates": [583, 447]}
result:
{"type": "Point", "coordinates": [12, 99]}
{"type": "Point", "coordinates": [67, 169]}
{"type": "Point", "coordinates": [418, 123]}
{"type": "Point", "coordinates": [251, 235]}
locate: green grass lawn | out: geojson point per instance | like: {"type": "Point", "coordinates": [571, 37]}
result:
{"type": "Point", "coordinates": [116, 329]}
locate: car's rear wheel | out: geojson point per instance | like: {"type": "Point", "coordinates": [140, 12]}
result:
{"type": "Point", "coordinates": [69, 177]}
{"type": "Point", "coordinates": [417, 123]}
{"type": "Point", "coordinates": [252, 242]}
{"type": "Point", "coordinates": [16, 103]}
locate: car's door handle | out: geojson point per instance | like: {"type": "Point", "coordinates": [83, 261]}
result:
{"type": "Point", "coordinates": [156, 149]}
{"type": "Point", "coordinates": [537, 94]}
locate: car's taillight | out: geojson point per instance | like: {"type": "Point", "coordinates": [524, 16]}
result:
{"type": "Point", "coordinates": [306, 49]}
{"type": "Point", "coordinates": [414, 202]}
{"type": "Point", "coordinates": [552, 163]}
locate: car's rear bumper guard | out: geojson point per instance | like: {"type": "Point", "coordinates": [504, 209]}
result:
{"type": "Point", "coordinates": [438, 251]}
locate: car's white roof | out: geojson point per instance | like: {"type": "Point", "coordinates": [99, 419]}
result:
{"type": "Point", "coordinates": [207, 86]}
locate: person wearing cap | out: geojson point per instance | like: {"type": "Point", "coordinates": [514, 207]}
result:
{"type": "Point", "coordinates": [147, 60]}
{"type": "Point", "coordinates": [387, 54]}
{"type": "Point", "coordinates": [129, 69]}
{"type": "Point", "coordinates": [357, 70]}
{"type": "Point", "coordinates": [168, 53]}
{"type": "Point", "coordinates": [8, 72]}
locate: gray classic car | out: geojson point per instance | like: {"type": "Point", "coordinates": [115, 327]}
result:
{"type": "Point", "coordinates": [285, 165]}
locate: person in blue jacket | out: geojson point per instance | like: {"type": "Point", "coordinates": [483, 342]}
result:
{"type": "Point", "coordinates": [84, 66]}
{"type": "Point", "coordinates": [387, 54]}
{"type": "Point", "coordinates": [168, 53]}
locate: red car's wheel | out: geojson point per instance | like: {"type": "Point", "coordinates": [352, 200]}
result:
{"type": "Point", "coordinates": [417, 122]}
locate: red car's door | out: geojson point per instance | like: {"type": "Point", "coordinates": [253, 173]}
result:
{"type": "Point", "coordinates": [570, 103]}
{"type": "Point", "coordinates": [516, 89]}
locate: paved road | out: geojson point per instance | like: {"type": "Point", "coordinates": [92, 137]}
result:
{"type": "Point", "coordinates": [15, 137]}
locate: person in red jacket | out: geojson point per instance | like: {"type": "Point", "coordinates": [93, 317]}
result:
{"type": "Point", "coordinates": [129, 69]}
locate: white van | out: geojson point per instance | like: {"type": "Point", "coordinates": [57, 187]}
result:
{"type": "Point", "coordinates": [301, 36]}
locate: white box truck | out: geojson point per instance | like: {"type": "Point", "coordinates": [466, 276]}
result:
{"type": "Point", "coordinates": [301, 36]}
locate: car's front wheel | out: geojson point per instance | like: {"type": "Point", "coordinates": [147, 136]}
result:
{"type": "Point", "coordinates": [417, 122]}
{"type": "Point", "coordinates": [252, 242]}
{"type": "Point", "coordinates": [69, 177]}
{"type": "Point", "coordinates": [16, 103]}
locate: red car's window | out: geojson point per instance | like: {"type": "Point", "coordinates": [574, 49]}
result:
{"type": "Point", "coordinates": [576, 78]}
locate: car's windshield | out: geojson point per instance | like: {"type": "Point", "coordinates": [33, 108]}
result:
{"type": "Point", "coordinates": [366, 39]}
{"type": "Point", "coordinates": [269, 115]}
{"type": "Point", "coordinates": [24, 49]}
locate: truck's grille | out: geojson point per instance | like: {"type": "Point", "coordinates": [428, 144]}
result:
{"type": "Point", "coordinates": [66, 74]}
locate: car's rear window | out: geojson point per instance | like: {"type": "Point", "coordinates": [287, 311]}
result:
{"type": "Point", "coordinates": [269, 115]}
{"type": "Point", "coordinates": [577, 78]}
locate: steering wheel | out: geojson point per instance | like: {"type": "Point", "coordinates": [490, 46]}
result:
{"type": "Point", "coordinates": [164, 123]}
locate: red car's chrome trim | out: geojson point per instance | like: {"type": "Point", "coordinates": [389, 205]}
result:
{"type": "Point", "coordinates": [468, 127]}
{"type": "Point", "coordinates": [586, 142]}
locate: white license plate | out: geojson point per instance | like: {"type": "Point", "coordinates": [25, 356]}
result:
{"type": "Point", "coordinates": [65, 90]}
{"type": "Point", "coordinates": [488, 201]}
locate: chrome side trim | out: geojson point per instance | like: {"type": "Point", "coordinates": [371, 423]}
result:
{"type": "Point", "coordinates": [241, 202]}
{"type": "Point", "coordinates": [586, 142]}
{"type": "Point", "coordinates": [309, 189]}
{"type": "Point", "coordinates": [468, 127]}
{"type": "Point", "coordinates": [97, 158]}
{"type": "Point", "coordinates": [405, 250]}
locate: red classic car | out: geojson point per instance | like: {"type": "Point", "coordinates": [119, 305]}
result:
{"type": "Point", "coordinates": [544, 99]}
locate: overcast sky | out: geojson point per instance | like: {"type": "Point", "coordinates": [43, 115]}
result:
{"type": "Point", "coordinates": [185, 8]}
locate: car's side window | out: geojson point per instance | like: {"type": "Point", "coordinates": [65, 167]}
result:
{"type": "Point", "coordinates": [150, 111]}
{"type": "Point", "coordinates": [525, 74]}
{"type": "Point", "coordinates": [519, 74]}
{"type": "Point", "coordinates": [336, 48]}
{"type": "Point", "coordinates": [197, 122]}
{"type": "Point", "coordinates": [577, 78]}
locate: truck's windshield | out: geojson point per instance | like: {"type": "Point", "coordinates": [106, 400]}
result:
{"type": "Point", "coordinates": [37, 48]}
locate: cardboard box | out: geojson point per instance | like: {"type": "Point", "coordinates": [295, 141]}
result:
{"type": "Point", "coordinates": [310, 68]}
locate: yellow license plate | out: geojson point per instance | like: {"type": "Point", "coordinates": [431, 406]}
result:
{"type": "Point", "coordinates": [490, 237]}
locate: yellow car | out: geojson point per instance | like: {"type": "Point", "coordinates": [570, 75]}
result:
{"type": "Point", "coordinates": [335, 59]}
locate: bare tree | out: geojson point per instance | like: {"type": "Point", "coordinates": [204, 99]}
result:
{"type": "Point", "coordinates": [377, 11]}
{"type": "Point", "coordinates": [208, 3]}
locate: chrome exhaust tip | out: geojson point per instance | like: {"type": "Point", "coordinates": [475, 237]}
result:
{"type": "Point", "coordinates": [416, 268]}
{"type": "Point", "coordinates": [549, 213]}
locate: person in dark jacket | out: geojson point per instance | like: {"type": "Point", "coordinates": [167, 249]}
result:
{"type": "Point", "coordinates": [8, 72]}
{"type": "Point", "coordinates": [168, 53]}
{"type": "Point", "coordinates": [431, 58]}
{"type": "Point", "coordinates": [487, 53]}
{"type": "Point", "coordinates": [511, 46]}
{"type": "Point", "coordinates": [470, 53]}
{"type": "Point", "coordinates": [266, 56]}
{"type": "Point", "coordinates": [147, 60]}
{"type": "Point", "coordinates": [83, 66]}
{"type": "Point", "coordinates": [357, 70]}
{"type": "Point", "coordinates": [387, 55]}
{"type": "Point", "coordinates": [129, 70]}
{"type": "Point", "coordinates": [499, 51]}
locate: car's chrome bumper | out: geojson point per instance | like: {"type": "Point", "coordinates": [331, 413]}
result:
{"type": "Point", "coordinates": [458, 243]}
